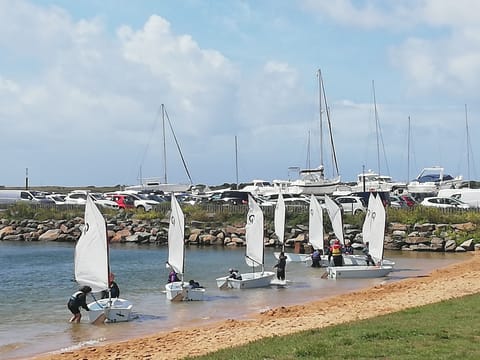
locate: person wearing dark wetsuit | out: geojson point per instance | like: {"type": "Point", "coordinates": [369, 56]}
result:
{"type": "Point", "coordinates": [77, 300]}
{"type": "Point", "coordinates": [281, 265]}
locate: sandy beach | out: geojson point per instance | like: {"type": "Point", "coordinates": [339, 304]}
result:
{"type": "Point", "coordinates": [453, 281]}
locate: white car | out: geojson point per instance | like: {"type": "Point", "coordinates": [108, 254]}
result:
{"type": "Point", "coordinates": [444, 202]}
{"type": "Point", "coordinates": [139, 202]}
{"type": "Point", "coordinates": [79, 197]}
{"type": "Point", "coordinates": [351, 204]}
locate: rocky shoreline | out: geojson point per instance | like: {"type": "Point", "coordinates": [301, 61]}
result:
{"type": "Point", "coordinates": [419, 237]}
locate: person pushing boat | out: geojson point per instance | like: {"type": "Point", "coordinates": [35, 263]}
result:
{"type": "Point", "coordinates": [77, 300]}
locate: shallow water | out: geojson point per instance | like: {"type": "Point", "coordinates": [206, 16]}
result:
{"type": "Point", "coordinates": [36, 280]}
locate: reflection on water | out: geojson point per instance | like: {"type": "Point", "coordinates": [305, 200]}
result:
{"type": "Point", "coordinates": [42, 273]}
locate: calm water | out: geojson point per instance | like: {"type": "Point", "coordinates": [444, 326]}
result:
{"type": "Point", "coordinates": [36, 280]}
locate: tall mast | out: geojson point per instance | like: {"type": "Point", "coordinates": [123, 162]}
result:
{"type": "Point", "coordinates": [164, 146]}
{"type": "Point", "coordinates": [468, 146]}
{"type": "Point", "coordinates": [319, 75]}
{"type": "Point", "coordinates": [236, 161]}
{"type": "Point", "coordinates": [408, 151]}
{"type": "Point", "coordinates": [376, 126]}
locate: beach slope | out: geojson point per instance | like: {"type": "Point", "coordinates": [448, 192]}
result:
{"type": "Point", "coordinates": [453, 281]}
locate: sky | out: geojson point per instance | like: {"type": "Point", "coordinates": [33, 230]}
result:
{"type": "Point", "coordinates": [82, 84]}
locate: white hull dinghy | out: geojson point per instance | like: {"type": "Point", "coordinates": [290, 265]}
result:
{"type": "Point", "coordinates": [254, 254]}
{"type": "Point", "coordinates": [92, 268]}
{"type": "Point", "coordinates": [179, 290]}
{"type": "Point", "coordinates": [374, 233]}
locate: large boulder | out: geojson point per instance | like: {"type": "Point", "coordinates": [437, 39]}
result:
{"type": "Point", "coordinates": [50, 235]}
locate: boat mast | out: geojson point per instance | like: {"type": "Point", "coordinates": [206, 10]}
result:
{"type": "Point", "coordinates": [164, 146]}
{"type": "Point", "coordinates": [376, 126]}
{"type": "Point", "coordinates": [236, 161]}
{"type": "Point", "coordinates": [408, 151]}
{"type": "Point", "coordinates": [468, 146]}
{"type": "Point", "coordinates": [319, 75]}
{"type": "Point", "coordinates": [329, 123]}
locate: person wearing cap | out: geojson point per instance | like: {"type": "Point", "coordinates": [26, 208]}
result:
{"type": "Point", "coordinates": [77, 300]}
{"type": "Point", "coordinates": [336, 251]}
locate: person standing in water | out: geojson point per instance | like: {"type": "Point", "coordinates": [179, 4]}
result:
{"type": "Point", "coordinates": [77, 300]}
{"type": "Point", "coordinates": [281, 265]}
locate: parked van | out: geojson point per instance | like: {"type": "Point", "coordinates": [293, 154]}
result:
{"type": "Point", "coordinates": [12, 196]}
{"type": "Point", "coordinates": [468, 196]}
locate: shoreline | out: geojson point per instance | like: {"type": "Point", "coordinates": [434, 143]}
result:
{"type": "Point", "coordinates": [453, 281]}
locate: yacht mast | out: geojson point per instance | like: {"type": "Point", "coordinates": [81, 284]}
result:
{"type": "Point", "coordinates": [164, 146]}
{"type": "Point", "coordinates": [319, 75]}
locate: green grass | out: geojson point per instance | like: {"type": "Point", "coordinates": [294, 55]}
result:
{"type": "Point", "coordinates": [446, 330]}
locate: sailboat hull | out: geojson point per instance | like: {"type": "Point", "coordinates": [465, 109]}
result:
{"type": "Point", "coordinates": [178, 291]}
{"type": "Point", "coordinates": [358, 271]}
{"type": "Point", "coordinates": [249, 281]}
{"type": "Point", "coordinates": [112, 310]}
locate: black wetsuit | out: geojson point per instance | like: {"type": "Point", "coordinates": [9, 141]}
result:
{"type": "Point", "coordinates": [77, 300]}
{"type": "Point", "coordinates": [282, 263]}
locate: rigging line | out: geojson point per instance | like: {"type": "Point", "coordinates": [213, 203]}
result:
{"type": "Point", "coordinates": [152, 131]}
{"type": "Point", "coordinates": [334, 154]}
{"type": "Point", "coordinates": [178, 147]}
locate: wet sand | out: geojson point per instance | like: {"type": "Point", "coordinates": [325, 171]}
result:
{"type": "Point", "coordinates": [454, 281]}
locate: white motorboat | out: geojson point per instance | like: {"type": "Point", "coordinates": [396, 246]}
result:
{"type": "Point", "coordinates": [179, 290]}
{"type": "Point", "coordinates": [374, 235]}
{"type": "Point", "coordinates": [254, 254]}
{"type": "Point", "coordinates": [431, 180]}
{"type": "Point", "coordinates": [92, 268]}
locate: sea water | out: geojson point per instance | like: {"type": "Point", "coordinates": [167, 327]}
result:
{"type": "Point", "coordinates": [36, 280]}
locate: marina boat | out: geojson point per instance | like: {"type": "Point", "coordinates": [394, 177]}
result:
{"type": "Point", "coordinates": [254, 254]}
{"type": "Point", "coordinates": [374, 234]}
{"type": "Point", "coordinates": [315, 228]}
{"type": "Point", "coordinates": [92, 268]}
{"type": "Point", "coordinates": [431, 180]}
{"type": "Point", "coordinates": [162, 184]}
{"type": "Point", "coordinates": [179, 290]}
{"type": "Point", "coordinates": [314, 181]}
{"type": "Point", "coordinates": [371, 181]}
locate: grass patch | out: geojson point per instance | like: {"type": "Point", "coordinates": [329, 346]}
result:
{"type": "Point", "coordinates": [446, 330]}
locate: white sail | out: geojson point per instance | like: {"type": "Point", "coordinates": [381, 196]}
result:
{"type": "Point", "coordinates": [176, 232]}
{"type": "Point", "coordinates": [279, 220]}
{"type": "Point", "coordinates": [91, 250]}
{"type": "Point", "coordinates": [367, 223]}
{"type": "Point", "coordinates": [377, 230]}
{"type": "Point", "coordinates": [335, 214]}
{"type": "Point", "coordinates": [315, 223]}
{"type": "Point", "coordinates": [254, 234]}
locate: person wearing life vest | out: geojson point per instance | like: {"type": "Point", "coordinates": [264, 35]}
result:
{"type": "Point", "coordinates": [336, 252]}
{"type": "Point", "coordinates": [77, 300]}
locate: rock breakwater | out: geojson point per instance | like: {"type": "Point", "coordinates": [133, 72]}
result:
{"type": "Point", "coordinates": [418, 237]}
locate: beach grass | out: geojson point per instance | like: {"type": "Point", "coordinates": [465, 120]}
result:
{"type": "Point", "coordinates": [445, 330]}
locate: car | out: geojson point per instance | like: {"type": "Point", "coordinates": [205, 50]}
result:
{"type": "Point", "coordinates": [352, 204]}
{"type": "Point", "coordinates": [233, 197]}
{"type": "Point", "coordinates": [397, 202]}
{"type": "Point", "coordinates": [59, 199]}
{"type": "Point", "coordinates": [79, 197]}
{"type": "Point", "coordinates": [444, 203]}
{"type": "Point", "coordinates": [409, 200]}
{"type": "Point", "coordinates": [12, 196]}
{"type": "Point", "coordinates": [131, 200]}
